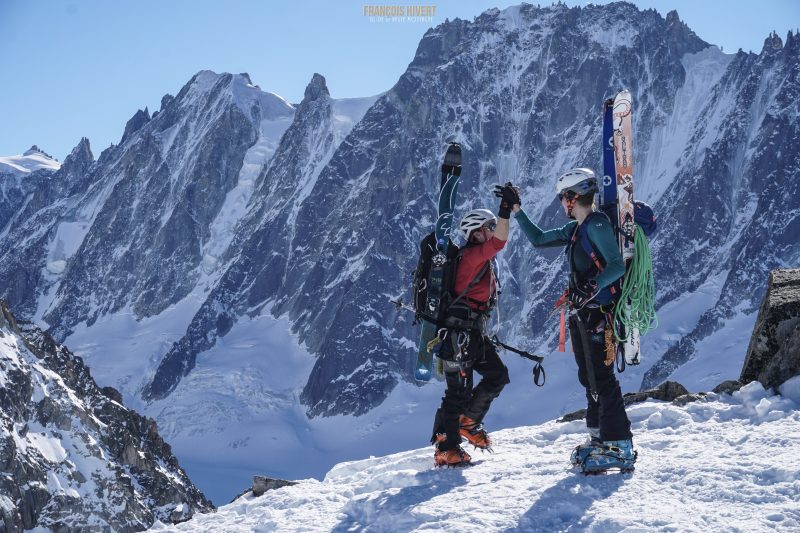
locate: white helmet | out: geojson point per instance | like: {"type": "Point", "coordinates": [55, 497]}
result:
{"type": "Point", "coordinates": [474, 220]}
{"type": "Point", "coordinates": [579, 181]}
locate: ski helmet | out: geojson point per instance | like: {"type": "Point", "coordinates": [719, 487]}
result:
{"type": "Point", "coordinates": [578, 181]}
{"type": "Point", "coordinates": [475, 219]}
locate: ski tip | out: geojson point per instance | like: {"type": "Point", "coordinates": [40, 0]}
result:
{"type": "Point", "coordinates": [422, 375]}
{"type": "Point", "coordinates": [453, 149]}
{"type": "Point", "coordinates": [452, 158]}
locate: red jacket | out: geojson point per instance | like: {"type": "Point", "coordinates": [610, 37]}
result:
{"type": "Point", "coordinates": [469, 265]}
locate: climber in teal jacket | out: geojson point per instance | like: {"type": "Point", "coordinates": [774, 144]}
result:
{"type": "Point", "coordinates": [596, 266]}
{"type": "Point", "coordinates": [600, 233]}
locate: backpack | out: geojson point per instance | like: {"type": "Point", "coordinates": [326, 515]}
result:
{"type": "Point", "coordinates": [421, 279]}
{"type": "Point", "coordinates": [643, 216]}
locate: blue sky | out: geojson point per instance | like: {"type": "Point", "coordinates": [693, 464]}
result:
{"type": "Point", "coordinates": [74, 68]}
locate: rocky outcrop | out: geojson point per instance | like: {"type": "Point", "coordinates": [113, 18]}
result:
{"type": "Point", "coordinates": [262, 484]}
{"type": "Point", "coordinates": [669, 391]}
{"type": "Point", "coordinates": [773, 355]}
{"type": "Point", "coordinates": [72, 457]}
{"type": "Point", "coordinates": [139, 119]}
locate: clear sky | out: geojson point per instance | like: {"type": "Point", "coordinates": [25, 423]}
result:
{"type": "Point", "coordinates": [74, 68]}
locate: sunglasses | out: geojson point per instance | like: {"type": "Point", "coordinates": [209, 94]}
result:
{"type": "Point", "coordinates": [491, 226]}
{"type": "Point", "coordinates": [569, 195]}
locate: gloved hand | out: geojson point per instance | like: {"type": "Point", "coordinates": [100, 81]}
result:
{"type": "Point", "coordinates": [509, 197]}
{"type": "Point", "coordinates": [582, 292]}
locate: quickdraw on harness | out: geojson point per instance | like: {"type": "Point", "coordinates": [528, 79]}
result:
{"type": "Point", "coordinates": [538, 369]}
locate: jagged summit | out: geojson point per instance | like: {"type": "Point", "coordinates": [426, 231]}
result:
{"type": "Point", "coordinates": [139, 119]}
{"type": "Point", "coordinates": [773, 42]}
{"type": "Point", "coordinates": [316, 88]}
{"type": "Point", "coordinates": [81, 156]}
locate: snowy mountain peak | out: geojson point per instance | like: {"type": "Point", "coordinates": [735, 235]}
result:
{"type": "Point", "coordinates": [35, 150]}
{"type": "Point", "coordinates": [29, 161]}
{"type": "Point", "coordinates": [258, 104]}
{"type": "Point", "coordinates": [316, 88]}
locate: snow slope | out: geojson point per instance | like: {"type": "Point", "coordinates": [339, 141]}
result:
{"type": "Point", "coordinates": [27, 162]}
{"type": "Point", "coordinates": [726, 463]}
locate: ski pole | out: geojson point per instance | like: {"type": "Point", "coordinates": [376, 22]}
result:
{"type": "Point", "coordinates": [538, 369]}
{"type": "Point", "coordinates": [400, 305]}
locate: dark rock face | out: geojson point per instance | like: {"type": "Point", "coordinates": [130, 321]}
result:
{"type": "Point", "coordinates": [774, 352]}
{"type": "Point", "coordinates": [667, 392]}
{"type": "Point", "coordinates": [744, 177]}
{"type": "Point", "coordinates": [74, 458]}
{"type": "Point", "coordinates": [728, 387]}
{"type": "Point", "coordinates": [254, 274]}
{"type": "Point", "coordinates": [262, 484]}
{"type": "Point", "coordinates": [40, 203]}
{"type": "Point", "coordinates": [135, 124]}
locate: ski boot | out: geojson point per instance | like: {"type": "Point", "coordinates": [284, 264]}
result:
{"type": "Point", "coordinates": [582, 451]}
{"type": "Point", "coordinates": [474, 433]}
{"type": "Point", "coordinates": [454, 457]}
{"type": "Point", "coordinates": [613, 455]}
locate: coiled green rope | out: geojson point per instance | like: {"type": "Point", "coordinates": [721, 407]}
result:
{"type": "Point", "coordinates": [638, 292]}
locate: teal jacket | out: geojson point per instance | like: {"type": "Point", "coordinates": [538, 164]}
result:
{"type": "Point", "coordinates": [600, 233]}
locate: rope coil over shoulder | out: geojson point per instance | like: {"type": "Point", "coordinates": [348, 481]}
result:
{"type": "Point", "coordinates": [636, 306]}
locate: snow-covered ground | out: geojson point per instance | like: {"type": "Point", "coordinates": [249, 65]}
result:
{"type": "Point", "coordinates": [238, 413]}
{"type": "Point", "coordinates": [728, 463]}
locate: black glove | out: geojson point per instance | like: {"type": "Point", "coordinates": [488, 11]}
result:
{"type": "Point", "coordinates": [581, 292]}
{"type": "Point", "coordinates": [509, 196]}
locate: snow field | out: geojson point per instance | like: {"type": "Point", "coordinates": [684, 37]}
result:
{"type": "Point", "coordinates": [725, 464]}
{"type": "Point", "coordinates": [25, 163]}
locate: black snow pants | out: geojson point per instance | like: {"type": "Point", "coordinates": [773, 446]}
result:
{"type": "Point", "coordinates": [461, 397]}
{"type": "Point", "coordinates": [607, 412]}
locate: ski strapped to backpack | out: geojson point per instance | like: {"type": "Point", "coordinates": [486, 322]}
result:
{"type": "Point", "coordinates": [634, 310]}
{"type": "Point", "coordinates": [442, 251]}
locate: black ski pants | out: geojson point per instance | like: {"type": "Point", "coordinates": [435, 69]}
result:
{"type": "Point", "coordinates": [461, 397]}
{"type": "Point", "coordinates": [607, 412]}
